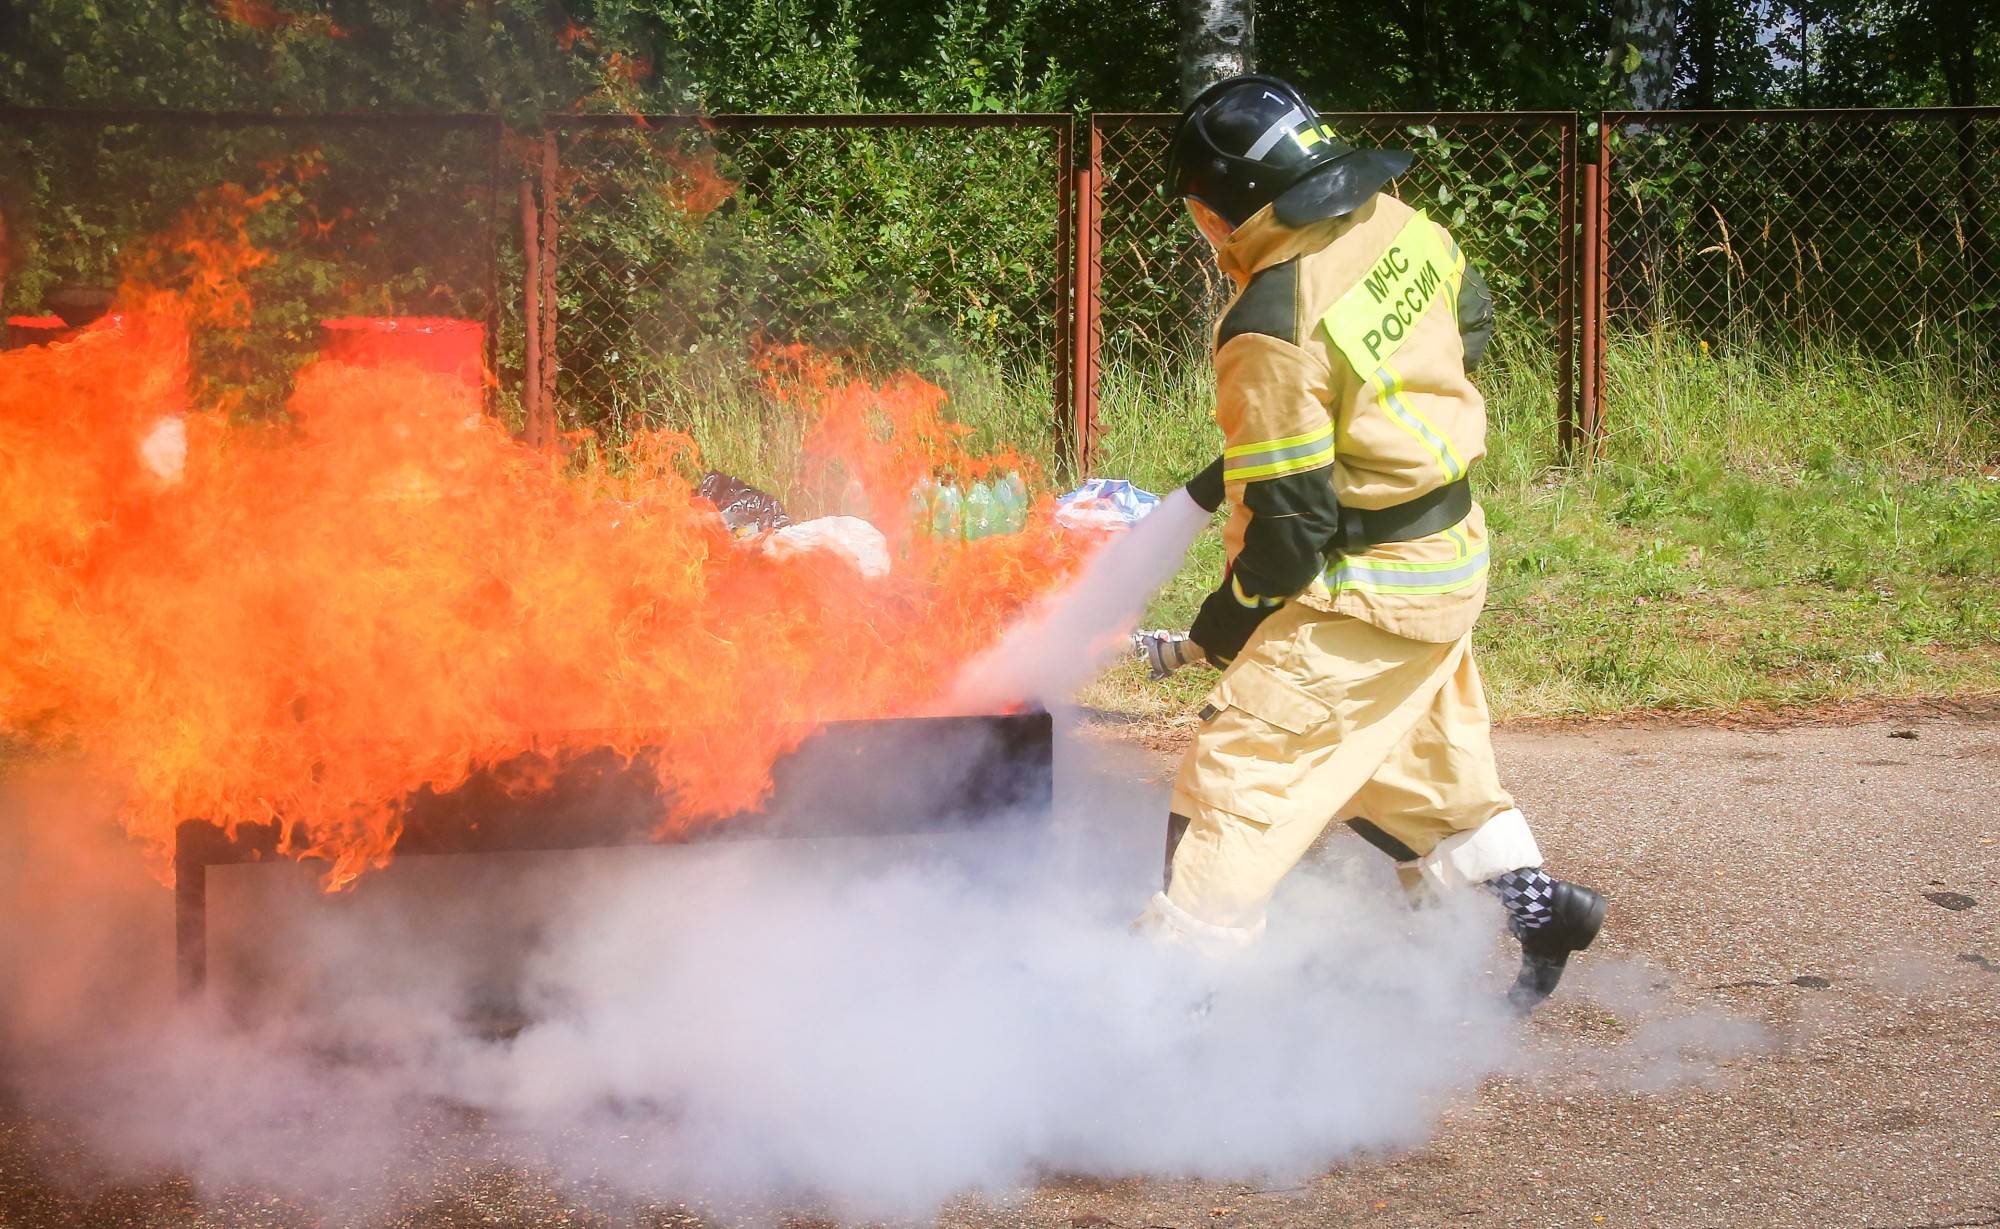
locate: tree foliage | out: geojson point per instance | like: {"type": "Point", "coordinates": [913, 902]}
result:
{"type": "Point", "coordinates": [531, 57]}
{"type": "Point", "coordinates": [903, 246]}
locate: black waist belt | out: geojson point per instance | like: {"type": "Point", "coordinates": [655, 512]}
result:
{"type": "Point", "coordinates": [1434, 512]}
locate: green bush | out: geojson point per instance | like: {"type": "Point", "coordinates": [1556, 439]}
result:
{"type": "Point", "coordinates": [933, 249]}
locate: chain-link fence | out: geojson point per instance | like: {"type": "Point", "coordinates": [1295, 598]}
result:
{"type": "Point", "coordinates": [641, 260]}
{"type": "Point", "coordinates": [1871, 227]}
{"type": "Point", "coordinates": [1149, 290]}
{"type": "Point", "coordinates": [368, 215]}
{"type": "Point", "coordinates": [932, 243]}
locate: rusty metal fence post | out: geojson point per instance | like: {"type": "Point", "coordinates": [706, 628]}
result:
{"type": "Point", "coordinates": [1068, 200]}
{"type": "Point", "coordinates": [1591, 252]}
{"type": "Point", "coordinates": [531, 298]}
{"type": "Point", "coordinates": [546, 424]}
{"type": "Point", "coordinates": [1089, 275]}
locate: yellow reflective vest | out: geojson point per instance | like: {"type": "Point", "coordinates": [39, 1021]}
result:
{"type": "Point", "coordinates": [1341, 353]}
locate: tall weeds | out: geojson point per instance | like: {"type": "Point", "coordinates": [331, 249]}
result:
{"type": "Point", "coordinates": [1765, 524]}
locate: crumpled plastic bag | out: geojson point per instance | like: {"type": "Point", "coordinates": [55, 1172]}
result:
{"type": "Point", "coordinates": [1104, 504]}
{"type": "Point", "coordinates": [861, 543]}
{"type": "Point", "coordinates": [745, 509]}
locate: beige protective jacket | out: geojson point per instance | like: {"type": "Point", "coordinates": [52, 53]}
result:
{"type": "Point", "coordinates": [1341, 381]}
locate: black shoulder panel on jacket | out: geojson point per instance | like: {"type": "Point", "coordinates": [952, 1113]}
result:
{"type": "Point", "coordinates": [1268, 305]}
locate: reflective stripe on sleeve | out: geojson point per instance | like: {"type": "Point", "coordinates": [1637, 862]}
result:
{"type": "Point", "coordinates": [1275, 458]}
{"type": "Point", "coordinates": [1251, 601]}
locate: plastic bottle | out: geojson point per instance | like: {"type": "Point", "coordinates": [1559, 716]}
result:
{"type": "Point", "coordinates": [1003, 509]}
{"type": "Point", "coordinates": [947, 512]}
{"type": "Point", "coordinates": [854, 500]}
{"type": "Point", "coordinates": [1016, 493]}
{"type": "Point", "coordinates": [981, 513]}
{"type": "Point", "coordinates": [918, 510]}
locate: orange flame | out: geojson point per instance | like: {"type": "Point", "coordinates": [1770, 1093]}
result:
{"type": "Point", "coordinates": [697, 187]}
{"type": "Point", "coordinates": [308, 621]}
{"type": "Point", "coordinates": [257, 14]}
{"type": "Point", "coordinates": [263, 16]}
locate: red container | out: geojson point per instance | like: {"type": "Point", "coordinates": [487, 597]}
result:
{"type": "Point", "coordinates": [430, 343]}
{"type": "Point", "coordinates": [35, 330]}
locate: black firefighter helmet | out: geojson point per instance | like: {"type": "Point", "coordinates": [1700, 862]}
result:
{"type": "Point", "coordinates": [1251, 141]}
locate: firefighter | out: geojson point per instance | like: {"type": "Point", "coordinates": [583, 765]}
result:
{"type": "Point", "coordinates": [1357, 556]}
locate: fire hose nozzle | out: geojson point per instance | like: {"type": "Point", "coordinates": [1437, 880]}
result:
{"type": "Point", "coordinates": [1165, 652]}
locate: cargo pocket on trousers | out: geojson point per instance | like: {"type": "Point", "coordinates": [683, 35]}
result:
{"type": "Point", "coordinates": [1257, 690]}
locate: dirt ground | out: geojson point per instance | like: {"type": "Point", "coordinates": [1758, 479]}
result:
{"type": "Point", "coordinates": [1831, 889]}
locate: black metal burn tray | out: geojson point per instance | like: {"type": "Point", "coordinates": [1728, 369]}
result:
{"type": "Point", "coordinates": [899, 777]}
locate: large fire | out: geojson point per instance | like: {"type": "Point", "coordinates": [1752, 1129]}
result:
{"type": "Point", "coordinates": [308, 620]}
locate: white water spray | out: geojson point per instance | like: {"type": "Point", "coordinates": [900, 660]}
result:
{"type": "Point", "coordinates": [1077, 631]}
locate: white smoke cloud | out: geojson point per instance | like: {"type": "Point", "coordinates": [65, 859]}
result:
{"type": "Point", "coordinates": [869, 1027]}
{"type": "Point", "coordinates": [872, 1026]}
{"type": "Point", "coordinates": [1078, 630]}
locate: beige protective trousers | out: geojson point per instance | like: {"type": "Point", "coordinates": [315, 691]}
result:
{"type": "Point", "coordinates": [1325, 717]}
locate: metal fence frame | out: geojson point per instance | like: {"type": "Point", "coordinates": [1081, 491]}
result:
{"type": "Point", "coordinates": [1586, 185]}
{"type": "Point", "coordinates": [1599, 181]}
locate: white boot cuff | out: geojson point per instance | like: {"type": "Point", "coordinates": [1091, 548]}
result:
{"type": "Point", "coordinates": [1499, 845]}
{"type": "Point", "coordinates": [1169, 921]}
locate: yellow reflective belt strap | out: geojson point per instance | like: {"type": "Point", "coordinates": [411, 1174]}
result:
{"type": "Point", "coordinates": [1275, 458]}
{"type": "Point", "coordinates": [1372, 320]}
{"type": "Point", "coordinates": [1382, 576]}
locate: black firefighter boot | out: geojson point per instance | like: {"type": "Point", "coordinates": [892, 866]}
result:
{"type": "Point", "coordinates": [1552, 918]}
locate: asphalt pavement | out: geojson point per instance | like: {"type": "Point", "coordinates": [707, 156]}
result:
{"type": "Point", "coordinates": [1792, 1019]}
{"type": "Point", "coordinates": [1804, 954]}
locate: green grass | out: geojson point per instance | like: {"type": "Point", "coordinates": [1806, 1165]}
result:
{"type": "Point", "coordinates": [1764, 527]}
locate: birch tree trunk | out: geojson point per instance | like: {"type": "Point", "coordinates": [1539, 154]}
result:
{"type": "Point", "coordinates": [1218, 39]}
{"type": "Point", "coordinates": [1643, 51]}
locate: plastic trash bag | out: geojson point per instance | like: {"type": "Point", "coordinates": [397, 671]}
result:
{"type": "Point", "coordinates": [861, 543]}
{"type": "Point", "coordinates": [1103, 504]}
{"type": "Point", "coordinates": [745, 509]}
